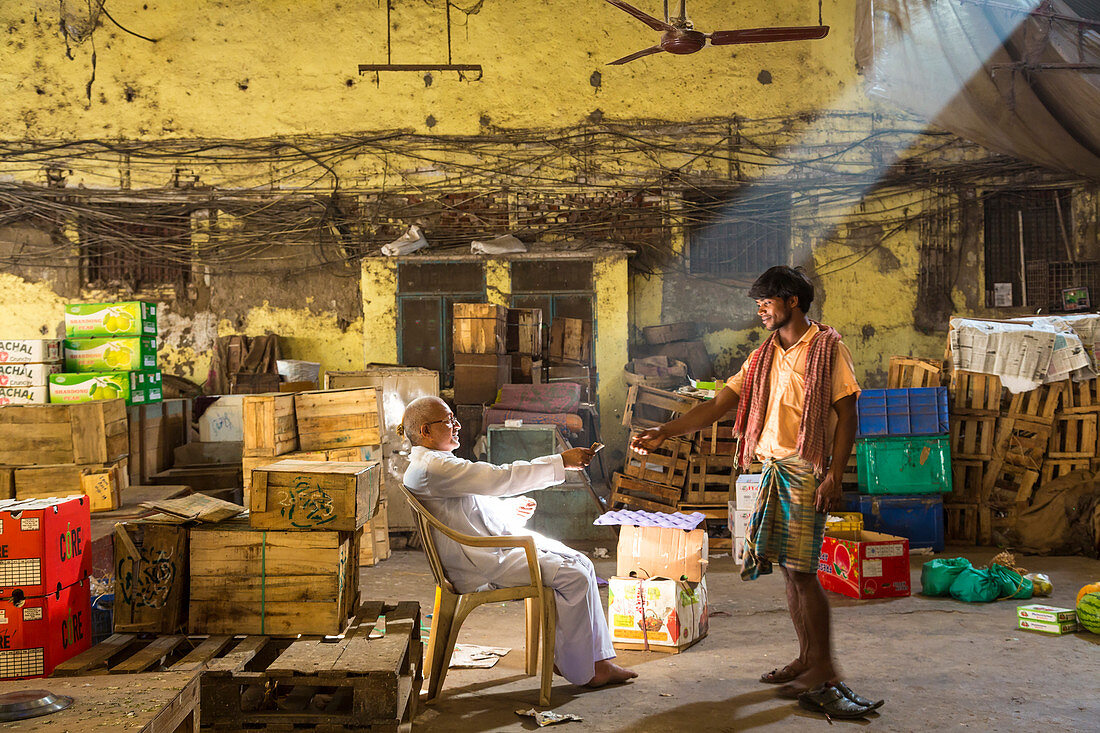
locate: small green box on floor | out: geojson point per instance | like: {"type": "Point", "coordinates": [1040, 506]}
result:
{"type": "Point", "coordinates": [129, 354]}
{"type": "Point", "coordinates": [137, 388]}
{"type": "Point", "coordinates": [131, 318]}
{"type": "Point", "coordinates": [904, 465]}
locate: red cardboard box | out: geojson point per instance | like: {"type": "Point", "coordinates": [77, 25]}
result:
{"type": "Point", "coordinates": [43, 543]}
{"type": "Point", "coordinates": [865, 564]}
{"type": "Point", "coordinates": [37, 633]}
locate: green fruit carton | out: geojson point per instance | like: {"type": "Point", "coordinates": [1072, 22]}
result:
{"type": "Point", "coordinates": [132, 318]}
{"type": "Point", "coordinates": [110, 354]}
{"type": "Point", "coordinates": [137, 388]}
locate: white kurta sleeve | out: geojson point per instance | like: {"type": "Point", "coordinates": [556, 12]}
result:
{"type": "Point", "coordinates": [449, 476]}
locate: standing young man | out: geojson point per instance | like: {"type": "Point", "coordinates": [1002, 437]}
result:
{"type": "Point", "coordinates": [795, 398]}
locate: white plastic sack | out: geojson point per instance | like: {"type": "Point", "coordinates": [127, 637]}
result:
{"type": "Point", "coordinates": [502, 245]}
{"type": "Point", "coordinates": [407, 243]}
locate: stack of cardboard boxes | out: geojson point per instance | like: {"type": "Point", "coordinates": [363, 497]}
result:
{"type": "Point", "coordinates": [45, 602]}
{"type": "Point", "coordinates": [110, 352]}
{"type": "Point", "coordinates": [25, 369]}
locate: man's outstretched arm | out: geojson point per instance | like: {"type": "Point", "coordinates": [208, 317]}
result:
{"type": "Point", "coordinates": [695, 419]}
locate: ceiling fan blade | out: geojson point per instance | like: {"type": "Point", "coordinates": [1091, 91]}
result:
{"type": "Point", "coordinates": [657, 25]}
{"type": "Point", "coordinates": [636, 55]}
{"type": "Point", "coordinates": [769, 35]}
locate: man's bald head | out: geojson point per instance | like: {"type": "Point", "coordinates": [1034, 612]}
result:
{"type": "Point", "coordinates": [420, 412]}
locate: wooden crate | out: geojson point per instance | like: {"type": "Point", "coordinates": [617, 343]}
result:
{"type": "Point", "coordinates": [356, 453]}
{"type": "Point", "coordinates": [156, 430]}
{"type": "Point", "coordinates": [1038, 405]}
{"type": "Point", "coordinates": [1082, 397]}
{"type": "Point", "coordinates": [279, 583]}
{"type": "Point", "coordinates": [711, 479]}
{"type": "Point", "coordinates": [972, 437]}
{"type": "Point", "coordinates": [1008, 485]}
{"type": "Point", "coordinates": [7, 482]}
{"type": "Point", "coordinates": [909, 371]}
{"type": "Point", "coordinates": [314, 495]}
{"type": "Point", "coordinates": [975, 394]}
{"type": "Point", "coordinates": [667, 465]}
{"type": "Point", "coordinates": [270, 425]}
{"type": "Point", "coordinates": [1056, 468]}
{"type": "Point", "coordinates": [479, 328]}
{"type": "Point", "coordinates": [570, 341]}
{"type": "Point", "coordinates": [719, 533]}
{"type": "Point", "coordinates": [1021, 442]}
{"type": "Point", "coordinates": [668, 332]}
{"type": "Point", "coordinates": [375, 544]}
{"type": "Point", "coordinates": [86, 433]}
{"type": "Point", "coordinates": [718, 439]}
{"type": "Point", "coordinates": [524, 332]}
{"type": "Point", "coordinates": [1074, 436]}
{"type": "Point", "coordinates": [967, 480]}
{"type": "Point", "coordinates": [647, 407]}
{"type": "Point", "coordinates": [636, 493]}
{"type": "Point", "coordinates": [102, 483]}
{"type": "Point", "coordinates": [150, 584]}
{"type": "Point", "coordinates": [338, 418]}
{"type": "Point", "coordinates": [961, 523]}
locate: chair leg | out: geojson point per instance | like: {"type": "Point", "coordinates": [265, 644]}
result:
{"type": "Point", "coordinates": [549, 629]}
{"type": "Point", "coordinates": [531, 651]}
{"type": "Point", "coordinates": [439, 654]}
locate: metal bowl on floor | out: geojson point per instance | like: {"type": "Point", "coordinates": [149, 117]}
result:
{"type": "Point", "coordinates": [30, 704]}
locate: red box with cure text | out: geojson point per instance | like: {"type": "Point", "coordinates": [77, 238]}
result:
{"type": "Point", "coordinates": [43, 544]}
{"type": "Point", "coordinates": [38, 632]}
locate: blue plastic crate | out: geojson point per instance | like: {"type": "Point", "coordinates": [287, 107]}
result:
{"type": "Point", "coordinates": [913, 411]}
{"type": "Point", "coordinates": [917, 518]}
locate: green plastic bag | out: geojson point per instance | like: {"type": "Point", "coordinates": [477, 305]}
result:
{"type": "Point", "coordinates": [1011, 583]}
{"type": "Point", "coordinates": [975, 585]}
{"type": "Point", "coordinates": [937, 575]}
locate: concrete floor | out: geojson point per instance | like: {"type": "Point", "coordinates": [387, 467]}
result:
{"type": "Point", "coordinates": [938, 663]}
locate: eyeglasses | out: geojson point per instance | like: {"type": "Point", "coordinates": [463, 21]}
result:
{"type": "Point", "coordinates": [451, 421]}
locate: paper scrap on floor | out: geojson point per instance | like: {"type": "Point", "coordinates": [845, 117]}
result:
{"type": "Point", "coordinates": [472, 656]}
{"type": "Point", "coordinates": [549, 717]}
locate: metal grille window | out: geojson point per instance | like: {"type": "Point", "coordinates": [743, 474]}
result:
{"type": "Point", "coordinates": [1034, 223]}
{"type": "Point", "coordinates": [738, 235]}
{"type": "Point", "coordinates": [426, 294]}
{"type": "Point", "coordinates": [135, 249]}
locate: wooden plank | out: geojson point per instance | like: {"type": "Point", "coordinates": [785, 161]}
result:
{"type": "Point", "coordinates": [239, 657]}
{"type": "Point", "coordinates": [366, 619]}
{"type": "Point", "coordinates": [95, 657]}
{"type": "Point", "coordinates": [201, 655]}
{"type": "Point", "coordinates": [152, 654]}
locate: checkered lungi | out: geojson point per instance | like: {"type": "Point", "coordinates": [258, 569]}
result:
{"type": "Point", "coordinates": [784, 527]}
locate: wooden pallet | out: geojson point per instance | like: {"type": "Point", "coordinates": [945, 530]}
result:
{"type": "Point", "coordinates": [1009, 485]}
{"type": "Point", "coordinates": [1020, 442]}
{"type": "Point", "coordinates": [909, 371]}
{"type": "Point", "coordinates": [967, 479]}
{"type": "Point", "coordinates": [975, 394]}
{"type": "Point", "coordinates": [667, 465]}
{"type": "Point", "coordinates": [972, 437]}
{"type": "Point", "coordinates": [636, 493]}
{"type": "Point", "coordinates": [367, 681]}
{"type": "Point", "coordinates": [1074, 436]}
{"type": "Point", "coordinates": [647, 407]}
{"type": "Point", "coordinates": [1082, 397]}
{"type": "Point", "coordinates": [962, 522]}
{"type": "Point", "coordinates": [1056, 468]}
{"type": "Point", "coordinates": [716, 514]}
{"type": "Point", "coordinates": [1038, 405]}
{"type": "Point", "coordinates": [712, 479]}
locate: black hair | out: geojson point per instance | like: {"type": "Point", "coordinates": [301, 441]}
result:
{"type": "Point", "coordinates": [784, 282]}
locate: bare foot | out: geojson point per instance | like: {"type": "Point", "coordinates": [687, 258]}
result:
{"type": "Point", "coordinates": [808, 680]}
{"type": "Point", "coordinates": [784, 674]}
{"type": "Point", "coordinates": [608, 673]}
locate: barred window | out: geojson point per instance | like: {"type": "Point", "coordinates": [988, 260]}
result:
{"type": "Point", "coordinates": [738, 235]}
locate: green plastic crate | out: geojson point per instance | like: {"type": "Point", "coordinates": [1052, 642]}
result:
{"type": "Point", "coordinates": [904, 465]}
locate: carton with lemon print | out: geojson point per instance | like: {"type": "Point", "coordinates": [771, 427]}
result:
{"type": "Point", "coordinates": [110, 354]}
{"type": "Point", "coordinates": [132, 318]}
{"type": "Point", "coordinates": [137, 388]}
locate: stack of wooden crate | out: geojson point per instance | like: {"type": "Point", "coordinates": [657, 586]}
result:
{"type": "Point", "coordinates": [481, 361]}
{"type": "Point", "coordinates": [329, 425]}
{"type": "Point", "coordinates": [569, 355]}
{"type": "Point", "coordinates": [63, 449]}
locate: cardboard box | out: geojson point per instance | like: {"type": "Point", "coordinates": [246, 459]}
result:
{"type": "Point", "coordinates": [223, 421]}
{"type": "Point", "coordinates": [30, 351]}
{"type": "Point", "coordinates": [150, 584]}
{"type": "Point", "coordinates": [103, 484]}
{"type": "Point", "coordinates": [478, 377]}
{"type": "Point", "coordinates": [331, 495]}
{"type": "Point", "coordinates": [26, 375]}
{"type": "Point", "coordinates": [131, 318]}
{"type": "Point", "coordinates": [1047, 627]}
{"type": "Point", "coordinates": [865, 565]}
{"type": "Point", "coordinates": [99, 354]}
{"type": "Point", "coordinates": [41, 632]}
{"type": "Point", "coordinates": [338, 418]}
{"type": "Point", "coordinates": [44, 544]}
{"type": "Point", "coordinates": [738, 550]}
{"type": "Point", "coordinates": [1046, 614]}
{"type": "Point", "coordinates": [738, 520]}
{"type": "Point", "coordinates": [479, 328]}
{"type": "Point", "coordinates": [24, 395]}
{"type": "Point", "coordinates": [656, 613]}
{"type": "Point", "coordinates": [93, 432]}
{"type": "Point", "coordinates": [747, 490]}
{"type": "Point", "coordinates": [571, 341]}
{"type": "Point", "coordinates": [664, 552]}
{"type": "Point", "coordinates": [137, 388]}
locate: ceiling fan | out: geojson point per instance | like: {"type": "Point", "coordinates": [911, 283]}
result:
{"type": "Point", "coordinates": [678, 34]}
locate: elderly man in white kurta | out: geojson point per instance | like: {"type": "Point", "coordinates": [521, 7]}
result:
{"type": "Point", "coordinates": [472, 498]}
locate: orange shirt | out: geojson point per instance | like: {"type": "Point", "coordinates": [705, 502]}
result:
{"type": "Point", "coordinates": [787, 393]}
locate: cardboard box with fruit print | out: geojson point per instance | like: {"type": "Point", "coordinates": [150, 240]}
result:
{"type": "Point", "coordinates": [130, 354]}
{"type": "Point", "coordinates": [656, 614]}
{"type": "Point", "coordinates": [863, 564]}
{"type": "Point", "coordinates": [132, 318]}
{"type": "Point", "coordinates": [137, 388]}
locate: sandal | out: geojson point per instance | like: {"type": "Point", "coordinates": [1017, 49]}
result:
{"type": "Point", "coordinates": [779, 676]}
{"type": "Point", "coordinates": [832, 703]}
{"type": "Point", "coordinates": [858, 699]}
